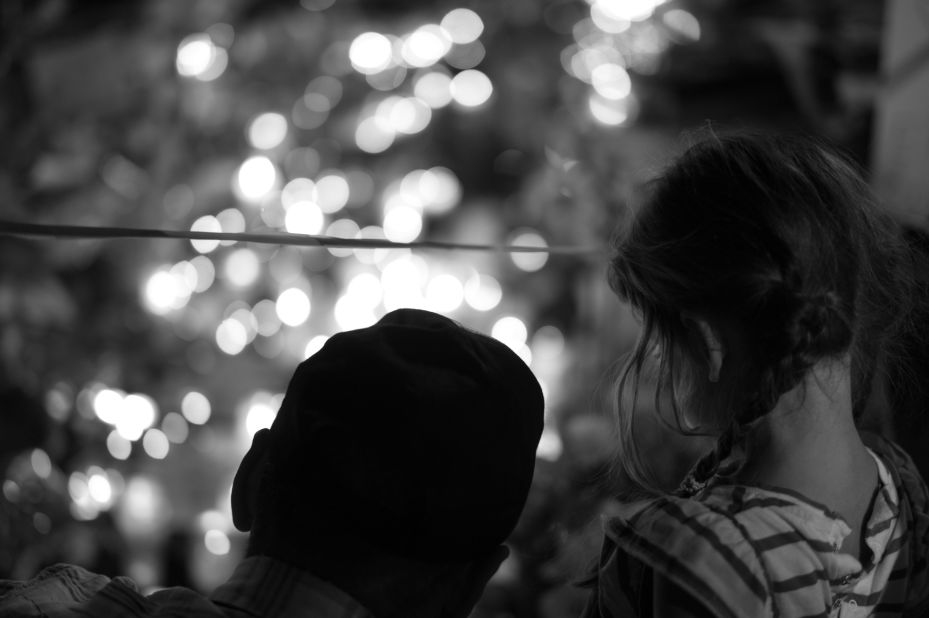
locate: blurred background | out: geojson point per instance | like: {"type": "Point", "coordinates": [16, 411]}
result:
{"type": "Point", "coordinates": [134, 372]}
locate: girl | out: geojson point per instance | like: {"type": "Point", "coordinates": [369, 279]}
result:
{"type": "Point", "coordinates": [767, 283]}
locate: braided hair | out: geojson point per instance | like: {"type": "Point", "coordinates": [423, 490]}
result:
{"type": "Point", "coordinates": [778, 236]}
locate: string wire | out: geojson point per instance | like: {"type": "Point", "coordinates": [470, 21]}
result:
{"type": "Point", "coordinates": [19, 228]}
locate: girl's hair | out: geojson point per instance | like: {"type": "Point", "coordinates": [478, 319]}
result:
{"type": "Point", "coordinates": [778, 236]}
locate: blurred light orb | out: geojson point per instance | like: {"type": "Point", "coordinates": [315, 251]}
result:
{"type": "Point", "coordinates": [137, 414]}
{"type": "Point", "coordinates": [425, 46]}
{"type": "Point", "coordinates": [118, 446]}
{"type": "Point", "coordinates": [217, 66]}
{"type": "Point", "coordinates": [611, 80]}
{"type": "Point", "coordinates": [155, 443]}
{"type": "Point", "coordinates": [314, 345]}
{"type": "Point", "coordinates": [550, 445]}
{"type": "Point", "coordinates": [327, 87]}
{"type": "Point", "coordinates": [243, 316]}
{"type": "Point", "coordinates": [373, 135]}
{"type": "Point", "coordinates": [195, 55]}
{"type": "Point", "coordinates": [41, 463]}
{"type": "Point", "coordinates": [333, 192]}
{"type": "Point", "coordinates": [231, 336]}
{"type": "Point", "coordinates": [342, 228]}
{"type": "Point", "coordinates": [304, 218]}
{"type": "Point", "coordinates": [608, 21]}
{"type": "Point", "coordinates": [607, 111]}
{"type": "Point", "coordinates": [207, 223]}
{"type": "Point", "coordinates": [629, 10]}
{"type": "Point", "coordinates": [260, 415]}
{"type": "Point", "coordinates": [403, 224]}
{"type": "Point", "coordinates": [371, 256]}
{"type": "Point", "coordinates": [266, 319]}
{"type": "Point", "coordinates": [175, 428]}
{"type": "Point", "coordinates": [440, 190]}
{"type": "Point", "coordinates": [216, 542]}
{"type": "Point", "coordinates": [471, 88]}
{"type": "Point", "coordinates": [350, 315]}
{"type": "Point", "coordinates": [370, 53]}
{"type": "Point", "coordinates": [298, 190]}
{"type": "Point", "coordinates": [365, 289]}
{"type": "Point", "coordinates": [511, 331]}
{"type": "Point", "coordinates": [242, 267]}
{"type": "Point", "coordinates": [402, 280]}
{"type": "Point", "coordinates": [162, 293]}
{"type": "Point", "coordinates": [548, 342]}
{"type": "Point", "coordinates": [256, 178]}
{"type": "Point", "coordinates": [206, 272]}
{"type": "Point", "coordinates": [682, 23]}
{"type": "Point", "coordinates": [482, 292]}
{"type": "Point", "coordinates": [196, 408]}
{"type": "Point", "coordinates": [267, 131]}
{"type": "Point", "coordinates": [293, 306]}
{"type": "Point", "coordinates": [529, 262]}
{"type": "Point", "coordinates": [444, 293]}
{"type": "Point", "coordinates": [409, 115]}
{"type": "Point", "coordinates": [434, 89]}
{"type": "Point", "coordinates": [462, 25]}
{"type": "Point", "coordinates": [107, 405]}
{"type": "Point", "coordinates": [99, 488]}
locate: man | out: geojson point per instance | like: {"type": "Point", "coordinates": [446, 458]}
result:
{"type": "Point", "coordinates": [398, 463]}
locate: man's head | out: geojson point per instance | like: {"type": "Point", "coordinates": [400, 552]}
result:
{"type": "Point", "coordinates": [411, 442]}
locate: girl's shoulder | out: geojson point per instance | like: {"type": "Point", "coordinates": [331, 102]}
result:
{"type": "Point", "coordinates": [758, 551]}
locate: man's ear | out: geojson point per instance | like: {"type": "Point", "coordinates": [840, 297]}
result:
{"type": "Point", "coordinates": [245, 484]}
{"type": "Point", "coordinates": [712, 342]}
{"type": "Point", "coordinates": [479, 573]}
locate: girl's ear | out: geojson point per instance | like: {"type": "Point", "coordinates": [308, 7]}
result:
{"type": "Point", "coordinates": [716, 353]}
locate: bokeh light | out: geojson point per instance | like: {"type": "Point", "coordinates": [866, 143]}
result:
{"type": "Point", "coordinates": [242, 267]}
{"type": "Point", "coordinates": [482, 292]}
{"type": "Point", "coordinates": [434, 89]}
{"type": "Point", "coordinates": [260, 415]}
{"type": "Point", "coordinates": [370, 52]}
{"type": "Point", "coordinates": [425, 46]}
{"type": "Point", "coordinates": [510, 330]}
{"type": "Point", "coordinates": [231, 336]}
{"type": "Point", "coordinates": [137, 414]}
{"type": "Point", "coordinates": [293, 307]}
{"type": "Point", "coordinates": [155, 443]}
{"type": "Point", "coordinates": [683, 25]}
{"type": "Point", "coordinates": [462, 25]}
{"type": "Point", "coordinates": [304, 217]}
{"type": "Point", "coordinates": [255, 178]}
{"type": "Point", "coordinates": [267, 131]}
{"type": "Point", "coordinates": [207, 223]}
{"type": "Point", "coordinates": [198, 57]}
{"type": "Point", "coordinates": [403, 223]}
{"type": "Point", "coordinates": [175, 428]}
{"type": "Point", "coordinates": [314, 345]}
{"type": "Point", "coordinates": [374, 135]}
{"type": "Point", "coordinates": [332, 192]}
{"type": "Point", "coordinates": [118, 446]}
{"type": "Point", "coordinates": [196, 407]}
{"type": "Point", "coordinates": [216, 542]}
{"type": "Point", "coordinates": [342, 228]}
{"type": "Point", "coordinates": [528, 261]}
{"type": "Point", "coordinates": [471, 88]}
{"type": "Point", "coordinates": [444, 293]}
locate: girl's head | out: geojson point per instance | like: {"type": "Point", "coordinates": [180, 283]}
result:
{"type": "Point", "coordinates": [752, 259]}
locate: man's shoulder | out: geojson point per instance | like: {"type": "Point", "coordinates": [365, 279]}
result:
{"type": "Point", "coordinates": [63, 589]}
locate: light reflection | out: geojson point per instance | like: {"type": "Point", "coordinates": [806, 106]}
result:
{"type": "Point", "coordinates": [107, 404]}
{"type": "Point", "coordinates": [266, 318]}
{"type": "Point", "coordinates": [304, 217]}
{"type": "Point", "coordinates": [200, 58]}
{"type": "Point", "coordinates": [529, 262]}
{"type": "Point", "coordinates": [196, 408]}
{"type": "Point", "coordinates": [256, 177]}
{"type": "Point", "coordinates": [434, 89]}
{"type": "Point", "coordinates": [611, 80]}
{"type": "Point", "coordinates": [206, 272]}
{"type": "Point", "coordinates": [231, 336]}
{"type": "Point", "coordinates": [374, 135]}
{"type": "Point", "coordinates": [175, 427]}
{"type": "Point", "coordinates": [482, 292]}
{"type": "Point", "coordinates": [137, 414]}
{"type": "Point", "coordinates": [155, 443]}
{"type": "Point", "coordinates": [293, 306]}
{"type": "Point", "coordinates": [342, 228]}
{"type": "Point", "coordinates": [370, 52]}
{"type": "Point", "coordinates": [267, 131]}
{"type": "Point", "coordinates": [260, 415]}
{"type": "Point", "coordinates": [444, 293]}
{"type": "Point", "coordinates": [118, 446]}
{"type": "Point", "coordinates": [403, 223]}
{"type": "Point", "coordinates": [242, 267]}
{"type": "Point", "coordinates": [471, 88]}
{"type": "Point", "coordinates": [314, 345]}
{"type": "Point", "coordinates": [607, 111]}
{"type": "Point", "coordinates": [207, 223]}
{"type": "Point", "coordinates": [425, 46]}
{"type": "Point", "coordinates": [216, 542]}
{"type": "Point", "coordinates": [371, 256]}
{"type": "Point", "coordinates": [510, 330]}
{"type": "Point", "coordinates": [682, 23]}
{"type": "Point", "coordinates": [298, 190]}
{"type": "Point", "coordinates": [462, 25]}
{"type": "Point", "coordinates": [333, 191]}
{"type": "Point", "coordinates": [365, 290]}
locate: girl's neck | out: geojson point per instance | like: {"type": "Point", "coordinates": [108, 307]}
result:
{"type": "Point", "coordinates": [809, 442]}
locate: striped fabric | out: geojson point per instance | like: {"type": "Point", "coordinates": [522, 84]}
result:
{"type": "Point", "coordinates": [260, 586]}
{"type": "Point", "coordinates": [764, 551]}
